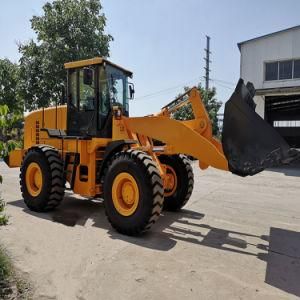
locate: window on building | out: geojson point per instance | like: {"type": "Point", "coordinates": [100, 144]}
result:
{"type": "Point", "coordinates": [272, 71]}
{"type": "Point", "coordinates": [286, 69]}
{"type": "Point", "coordinates": [297, 68]}
{"type": "Point", "coordinates": [282, 70]}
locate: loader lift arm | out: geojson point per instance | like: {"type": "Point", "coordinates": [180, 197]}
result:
{"type": "Point", "coordinates": [193, 137]}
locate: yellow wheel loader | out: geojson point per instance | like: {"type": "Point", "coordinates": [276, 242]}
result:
{"type": "Point", "coordinates": [137, 165]}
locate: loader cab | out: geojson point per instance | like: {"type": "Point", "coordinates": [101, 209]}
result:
{"type": "Point", "coordinates": [94, 87]}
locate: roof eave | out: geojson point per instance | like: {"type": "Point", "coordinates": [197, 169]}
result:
{"type": "Point", "coordinates": [267, 35]}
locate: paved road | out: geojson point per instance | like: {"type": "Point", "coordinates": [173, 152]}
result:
{"type": "Point", "coordinates": [238, 238]}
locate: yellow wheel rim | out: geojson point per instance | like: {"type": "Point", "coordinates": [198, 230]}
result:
{"type": "Point", "coordinates": [34, 179]}
{"type": "Point", "coordinates": [170, 181]}
{"type": "Point", "coordinates": [125, 194]}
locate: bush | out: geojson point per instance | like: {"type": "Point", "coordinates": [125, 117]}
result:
{"type": "Point", "coordinates": [3, 217]}
{"type": "Point", "coordinates": [9, 139]}
{"type": "Point", "coordinates": [5, 275]}
{"type": "Point", "coordinates": [5, 266]}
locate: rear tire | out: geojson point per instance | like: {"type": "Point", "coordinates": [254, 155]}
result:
{"type": "Point", "coordinates": [179, 196]}
{"type": "Point", "coordinates": [136, 213]}
{"type": "Point", "coordinates": [41, 178]}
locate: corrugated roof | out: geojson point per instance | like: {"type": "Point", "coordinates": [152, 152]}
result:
{"type": "Point", "coordinates": [267, 35]}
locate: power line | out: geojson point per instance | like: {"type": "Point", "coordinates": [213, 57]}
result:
{"type": "Point", "coordinates": [223, 81]}
{"type": "Point", "coordinates": [166, 90]}
{"type": "Point", "coordinates": [218, 82]}
{"type": "Point", "coordinates": [223, 85]}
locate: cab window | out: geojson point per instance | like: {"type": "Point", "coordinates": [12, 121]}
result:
{"type": "Point", "coordinates": [104, 101]}
{"type": "Point", "coordinates": [73, 88]}
{"type": "Point", "coordinates": [87, 89]}
{"type": "Point", "coordinates": [117, 83]}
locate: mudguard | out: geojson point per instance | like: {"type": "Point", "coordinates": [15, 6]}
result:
{"type": "Point", "coordinates": [249, 143]}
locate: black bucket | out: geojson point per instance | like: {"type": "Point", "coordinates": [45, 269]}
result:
{"type": "Point", "coordinates": [250, 144]}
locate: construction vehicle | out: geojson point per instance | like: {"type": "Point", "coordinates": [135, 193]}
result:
{"type": "Point", "coordinates": [138, 165]}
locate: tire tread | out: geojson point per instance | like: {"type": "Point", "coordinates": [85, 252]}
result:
{"type": "Point", "coordinates": [146, 163]}
{"type": "Point", "coordinates": [56, 186]}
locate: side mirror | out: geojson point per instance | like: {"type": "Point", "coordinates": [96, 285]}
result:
{"type": "Point", "coordinates": [131, 90]}
{"type": "Point", "coordinates": [88, 76]}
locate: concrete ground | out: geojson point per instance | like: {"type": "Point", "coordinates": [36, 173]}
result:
{"type": "Point", "coordinates": [238, 238]}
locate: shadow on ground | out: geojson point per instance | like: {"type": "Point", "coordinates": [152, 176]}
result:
{"type": "Point", "coordinates": [280, 250]}
{"type": "Point", "coordinates": [290, 170]}
{"type": "Point", "coordinates": [283, 260]}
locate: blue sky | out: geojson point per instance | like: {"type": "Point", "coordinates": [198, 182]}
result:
{"type": "Point", "coordinates": [162, 41]}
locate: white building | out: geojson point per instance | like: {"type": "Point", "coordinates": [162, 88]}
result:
{"type": "Point", "coordinates": [272, 63]}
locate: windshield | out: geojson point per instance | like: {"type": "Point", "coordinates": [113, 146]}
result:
{"type": "Point", "coordinates": [117, 84]}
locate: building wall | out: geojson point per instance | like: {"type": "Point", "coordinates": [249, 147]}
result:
{"type": "Point", "coordinates": [280, 46]}
{"type": "Point", "coordinates": [260, 105]}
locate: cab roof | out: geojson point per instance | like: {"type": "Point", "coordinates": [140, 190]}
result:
{"type": "Point", "coordinates": [93, 61]}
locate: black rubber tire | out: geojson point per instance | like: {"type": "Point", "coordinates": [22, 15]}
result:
{"type": "Point", "coordinates": [53, 187]}
{"type": "Point", "coordinates": [141, 166]}
{"type": "Point", "coordinates": [185, 181]}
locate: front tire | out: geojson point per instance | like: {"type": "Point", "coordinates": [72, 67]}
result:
{"type": "Point", "coordinates": [181, 181]}
{"type": "Point", "coordinates": [133, 192]}
{"type": "Point", "coordinates": [41, 179]}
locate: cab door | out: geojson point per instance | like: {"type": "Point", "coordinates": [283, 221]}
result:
{"type": "Point", "coordinates": [82, 116]}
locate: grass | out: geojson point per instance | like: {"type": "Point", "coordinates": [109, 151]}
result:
{"type": "Point", "coordinates": [5, 266]}
{"type": "Point", "coordinates": [6, 272]}
{"type": "Point", "coordinates": [12, 285]}
{"type": "Point", "coordinates": [3, 217]}
{"type": "Point", "coordinates": [3, 220]}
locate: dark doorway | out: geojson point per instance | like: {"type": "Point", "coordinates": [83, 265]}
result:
{"type": "Point", "coordinates": [283, 113]}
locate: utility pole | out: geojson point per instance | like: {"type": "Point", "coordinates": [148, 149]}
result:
{"type": "Point", "coordinates": [208, 61]}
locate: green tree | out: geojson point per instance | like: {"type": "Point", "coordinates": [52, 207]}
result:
{"type": "Point", "coordinates": [212, 106]}
{"type": "Point", "coordinates": [68, 30]}
{"type": "Point", "coordinates": [9, 78]}
{"type": "Point", "coordinates": [10, 138]}
{"type": "Point", "coordinates": [10, 131]}
{"type": "Point", "coordinates": [8, 122]}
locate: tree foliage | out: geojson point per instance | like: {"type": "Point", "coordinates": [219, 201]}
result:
{"type": "Point", "coordinates": [211, 103]}
{"type": "Point", "coordinates": [8, 142]}
{"type": "Point", "coordinates": [68, 30]}
{"type": "Point", "coordinates": [9, 78]}
{"type": "Point", "coordinates": [10, 131]}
